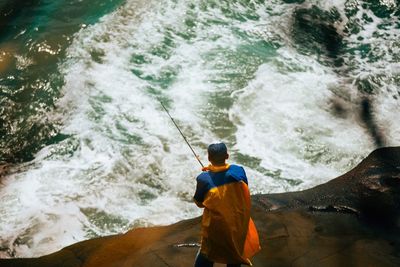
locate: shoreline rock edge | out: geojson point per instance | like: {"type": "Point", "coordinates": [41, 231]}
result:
{"type": "Point", "coordinates": [352, 220]}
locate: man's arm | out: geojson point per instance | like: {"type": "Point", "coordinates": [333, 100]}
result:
{"type": "Point", "coordinates": [201, 190]}
{"type": "Point", "coordinates": [199, 204]}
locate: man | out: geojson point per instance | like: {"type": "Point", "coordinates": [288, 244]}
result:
{"type": "Point", "coordinates": [228, 233]}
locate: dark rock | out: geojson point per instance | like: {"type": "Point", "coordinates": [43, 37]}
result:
{"type": "Point", "coordinates": [330, 208]}
{"type": "Point", "coordinates": [315, 33]}
{"type": "Point", "coordinates": [371, 188]}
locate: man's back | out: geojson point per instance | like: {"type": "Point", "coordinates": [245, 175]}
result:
{"type": "Point", "coordinates": [226, 224]}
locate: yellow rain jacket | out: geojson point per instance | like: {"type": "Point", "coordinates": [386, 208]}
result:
{"type": "Point", "coordinates": [228, 233]}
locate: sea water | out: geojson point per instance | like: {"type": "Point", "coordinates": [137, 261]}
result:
{"type": "Point", "coordinates": [89, 150]}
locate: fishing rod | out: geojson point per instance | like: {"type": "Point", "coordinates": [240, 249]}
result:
{"type": "Point", "coordinates": [184, 137]}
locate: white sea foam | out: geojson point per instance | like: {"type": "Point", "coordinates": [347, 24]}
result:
{"type": "Point", "coordinates": [290, 127]}
{"type": "Point", "coordinates": [125, 165]}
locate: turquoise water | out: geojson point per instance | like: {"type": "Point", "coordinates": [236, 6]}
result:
{"type": "Point", "coordinates": [34, 37]}
{"type": "Point", "coordinates": [89, 150]}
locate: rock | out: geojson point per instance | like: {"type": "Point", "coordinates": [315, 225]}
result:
{"type": "Point", "coordinates": [352, 220]}
{"type": "Point", "coordinates": [314, 31]}
{"type": "Point", "coordinates": [371, 189]}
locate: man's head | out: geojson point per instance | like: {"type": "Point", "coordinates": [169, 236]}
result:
{"type": "Point", "coordinates": [217, 153]}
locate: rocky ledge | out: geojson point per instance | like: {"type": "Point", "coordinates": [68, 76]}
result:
{"type": "Point", "coordinates": [353, 220]}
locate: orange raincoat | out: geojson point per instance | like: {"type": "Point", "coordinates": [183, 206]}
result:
{"type": "Point", "coordinates": [228, 233]}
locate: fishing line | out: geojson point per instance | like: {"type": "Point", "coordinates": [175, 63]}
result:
{"type": "Point", "coordinates": [184, 137]}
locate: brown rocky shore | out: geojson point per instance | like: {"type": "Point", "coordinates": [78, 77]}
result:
{"type": "Point", "coordinates": [352, 220]}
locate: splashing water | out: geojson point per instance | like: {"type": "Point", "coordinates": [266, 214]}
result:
{"type": "Point", "coordinates": [259, 76]}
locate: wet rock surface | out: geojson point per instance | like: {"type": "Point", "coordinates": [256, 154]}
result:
{"type": "Point", "coordinates": [371, 190]}
{"type": "Point", "coordinates": [353, 220]}
{"type": "Point", "coordinates": [314, 31]}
